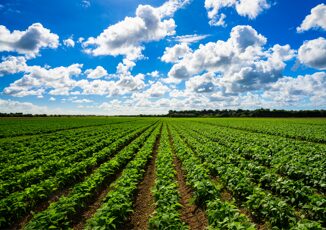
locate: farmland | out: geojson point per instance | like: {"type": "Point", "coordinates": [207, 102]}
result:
{"type": "Point", "coordinates": [162, 173]}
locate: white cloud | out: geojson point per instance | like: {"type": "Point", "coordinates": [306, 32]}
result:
{"type": "Point", "coordinates": [80, 101]}
{"type": "Point", "coordinates": [52, 99]}
{"type": "Point", "coordinates": [12, 65]}
{"type": "Point", "coordinates": [85, 3]}
{"type": "Point", "coordinates": [247, 8]}
{"type": "Point", "coordinates": [295, 90]}
{"type": "Point", "coordinates": [69, 42]}
{"type": "Point", "coordinates": [96, 73]}
{"type": "Point", "coordinates": [9, 106]}
{"type": "Point", "coordinates": [313, 53]}
{"type": "Point", "coordinates": [126, 37]}
{"type": "Point", "coordinates": [175, 53]}
{"type": "Point", "coordinates": [316, 19]}
{"type": "Point", "coordinates": [192, 38]}
{"type": "Point", "coordinates": [154, 74]}
{"type": "Point", "coordinates": [37, 79]}
{"type": "Point", "coordinates": [28, 42]}
{"type": "Point", "coordinates": [240, 62]}
{"type": "Point", "coordinates": [157, 90]}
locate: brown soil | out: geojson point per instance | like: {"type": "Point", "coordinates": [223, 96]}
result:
{"type": "Point", "coordinates": [192, 215]}
{"type": "Point", "coordinates": [144, 204]}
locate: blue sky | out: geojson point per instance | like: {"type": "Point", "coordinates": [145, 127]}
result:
{"type": "Point", "coordinates": [130, 57]}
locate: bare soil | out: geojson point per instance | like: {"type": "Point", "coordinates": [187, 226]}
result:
{"type": "Point", "coordinates": [191, 214]}
{"type": "Point", "coordinates": [144, 204]}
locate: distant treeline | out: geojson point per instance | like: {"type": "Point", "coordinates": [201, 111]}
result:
{"type": "Point", "coordinates": [247, 113]}
{"type": "Point", "coordinates": [37, 115]}
{"type": "Point", "coordinates": [203, 113]}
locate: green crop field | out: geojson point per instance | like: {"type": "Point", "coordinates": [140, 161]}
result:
{"type": "Point", "coordinates": [162, 173]}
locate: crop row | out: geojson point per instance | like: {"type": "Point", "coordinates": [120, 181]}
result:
{"type": "Point", "coordinates": [58, 162]}
{"type": "Point", "coordinates": [165, 192]}
{"type": "Point", "coordinates": [118, 203]}
{"type": "Point", "coordinates": [59, 214]}
{"type": "Point", "coordinates": [314, 129]}
{"type": "Point", "coordinates": [263, 205]}
{"type": "Point", "coordinates": [18, 204]}
{"type": "Point", "coordinates": [304, 161]}
{"type": "Point", "coordinates": [34, 126]}
{"type": "Point", "coordinates": [293, 192]}
{"type": "Point", "coordinates": [207, 194]}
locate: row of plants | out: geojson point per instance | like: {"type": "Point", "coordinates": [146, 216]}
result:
{"type": "Point", "coordinates": [314, 129]}
{"type": "Point", "coordinates": [167, 207]}
{"type": "Point", "coordinates": [49, 167]}
{"type": "Point", "coordinates": [17, 204]}
{"type": "Point", "coordinates": [15, 127]}
{"type": "Point", "coordinates": [14, 150]}
{"type": "Point", "coordinates": [118, 203]}
{"type": "Point", "coordinates": [60, 214]}
{"type": "Point", "coordinates": [263, 205]}
{"type": "Point", "coordinates": [304, 160]}
{"type": "Point", "coordinates": [294, 192]}
{"type": "Point", "coordinates": [207, 193]}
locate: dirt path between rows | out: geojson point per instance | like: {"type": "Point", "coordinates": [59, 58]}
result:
{"type": "Point", "coordinates": [80, 221]}
{"type": "Point", "coordinates": [144, 204]}
{"type": "Point", "coordinates": [190, 213]}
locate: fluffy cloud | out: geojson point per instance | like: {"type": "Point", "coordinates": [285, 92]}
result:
{"type": "Point", "coordinates": [28, 42]}
{"type": "Point", "coordinates": [37, 79]}
{"type": "Point", "coordinates": [154, 74]}
{"type": "Point", "coordinates": [247, 8]}
{"type": "Point", "coordinates": [157, 90]}
{"type": "Point", "coordinates": [69, 42]}
{"type": "Point", "coordinates": [241, 61]}
{"type": "Point", "coordinates": [98, 72]}
{"type": "Point", "coordinates": [175, 53]}
{"type": "Point", "coordinates": [10, 106]}
{"type": "Point", "coordinates": [12, 65]}
{"type": "Point", "coordinates": [316, 19]}
{"type": "Point", "coordinates": [126, 37]}
{"type": "Point", "coordinates": [313, 53]}
{"type": "Point", "coordinates": [295, 90]}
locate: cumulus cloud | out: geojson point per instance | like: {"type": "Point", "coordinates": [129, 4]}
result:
{"type": "Point", "coordinates": [28, 42]}
{"type": "Point", "coordinates": [10, 106]}
{"type": "Point", "coordinates": [37, 79]}
{"type": "Point", "coordinates": [157, 90]}
{"type": "Point", "coordinates": [154, 74]}
{"type": "Point", "coordinates": [12, 65]}
{"type": "Point", "coordinates": [69, 42]}
{"type": "Point", "coordinates": [246, 8]}
{"type": "Point", "coordinates": [241, 61]}
{"type": "Point", "coordinates": [295, 90]}
{"type": "Point", "coordinates": [62, 80]}
{"type": "Point", "coordinates": [175, 53]}
{"type": "Point", "coordinates": [96, 73]}
{"type": "Point", "coordinates": [315, 20]}
{"type": "Point", "coordinates": [313, 53]}
{"type": "Point", "coordinates": [126, 37]}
